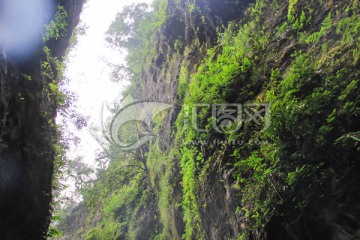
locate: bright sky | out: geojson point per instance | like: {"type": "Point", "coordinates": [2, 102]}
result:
{"type": "Point", "coordinates": [88, 73]}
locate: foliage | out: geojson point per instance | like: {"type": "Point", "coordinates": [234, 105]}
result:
{"type": "Point", "coordinates": [134, 30]}
{"type": "Point", "coordinates": [52, 70]}
{"type": "Point", "coordinates": [117, 195]}
{"type": "Point", "coordinates": [52, 73]}
{"type": "Point", "coordinates": [58, 26]}
{"type": "Point", "coordinates": [307, 73]}
{"type": "Point", "coordinates": [326, 25]}
{"type": "Point", "coordinates": [297, 96]}
{"type": "Point", "coordinates": [292, 10]}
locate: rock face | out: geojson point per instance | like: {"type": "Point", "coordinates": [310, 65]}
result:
{"type": "Point", "coordinates": [323, 201]}
{"type": "Point", "coordinates": [295, 179]}
{"type": "Point", "coordinates": [27, 137]}
{"type": "Point", "coordinates": [26, 158]}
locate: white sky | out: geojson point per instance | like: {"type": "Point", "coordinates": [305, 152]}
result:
{"type": "Point", "coordinates": [88, 73]}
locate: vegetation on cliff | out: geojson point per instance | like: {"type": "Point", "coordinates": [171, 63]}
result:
{"type": "Point", "coordinates": [292, 172]}
{"type": "Point", "coordinates": [31, 152]}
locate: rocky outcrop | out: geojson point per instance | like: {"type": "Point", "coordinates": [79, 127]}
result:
{"type": "Point", "coordinates": [27, 135]}
{"type": "Point", "coordinates": [295, 179]}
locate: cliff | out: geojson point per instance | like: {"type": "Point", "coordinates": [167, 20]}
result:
{"type": "Point", "coordinates": [27, 114]}
{"type": "Point", "coordinates": [286, 168]}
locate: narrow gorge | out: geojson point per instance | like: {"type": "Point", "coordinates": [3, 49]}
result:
{"type": "Point", "coordinates": [253, 131]}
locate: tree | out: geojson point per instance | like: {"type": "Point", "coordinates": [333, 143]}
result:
{"type": "Point", "coordinates": [124, 31]}
{"type": "Point", "coordinates": [132, 31]}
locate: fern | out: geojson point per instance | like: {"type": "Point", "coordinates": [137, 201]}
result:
{"type": "Point", "coordinates": [327, 23]}
{"type": "Point", "coordinates": [300, 23]}
{"type": "Point", "coordinates": [325, 26]}
{"type": "Point", "coordinates": [292, 10]}
{"type": "Point", "coordinates": [356, 53]}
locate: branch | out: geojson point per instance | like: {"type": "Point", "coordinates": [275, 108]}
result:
{"type": "Point", "coordinates": [122, 66]}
